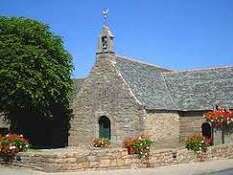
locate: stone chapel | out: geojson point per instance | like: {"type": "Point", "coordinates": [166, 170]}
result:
{"type": "Point", "coordinates": [122, 97]}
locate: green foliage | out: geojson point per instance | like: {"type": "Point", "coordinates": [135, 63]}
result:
{"type": "Point", "coordinates": [196, 143]}
{"type": "Point", "coordinates": [35, 76]}
{"type": "Point", "coordinates": [35, 69]}
{"type": "Point", "coordinates": [139, 145]}
{"type": "Point", "coordinates": [142, 146]}
{"type": "Point", "coordinates": [11, 144]}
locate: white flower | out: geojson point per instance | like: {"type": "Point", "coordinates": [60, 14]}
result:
{"type": "Point", "coordinates": [12, 147]}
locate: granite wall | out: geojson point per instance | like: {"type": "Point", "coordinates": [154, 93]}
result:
{"type": "Point", "coordinates": [105, 93]}
{"type": "Point", "coordinates": [163, 127]}
{"type": "Point", "coordinates": [170, 128]}
{"type": "Point", "coordinates": [190, 123]}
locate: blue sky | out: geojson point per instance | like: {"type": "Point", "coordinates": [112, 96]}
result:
{"type": "Point", "coordinates": [177, 34]}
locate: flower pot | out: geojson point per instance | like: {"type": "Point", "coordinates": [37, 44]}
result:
{"type": "Point", "coordinates": [130, 150]}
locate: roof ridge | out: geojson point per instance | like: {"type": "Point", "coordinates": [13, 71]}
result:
{"type": "Point", "coordinates": [168, 90]}
{"type": "Point", "coordinates": [127, 84]}
{"type": "Point", "coordinates": [198, 69]}
{"type": "Point", "coordinates": [140, 61]}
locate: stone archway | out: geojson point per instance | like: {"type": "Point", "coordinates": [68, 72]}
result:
{"type": "Point", "coordinates": [104, 127]}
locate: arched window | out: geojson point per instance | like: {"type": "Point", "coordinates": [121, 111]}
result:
{"type": "Point", "coordinates": [104, 127]}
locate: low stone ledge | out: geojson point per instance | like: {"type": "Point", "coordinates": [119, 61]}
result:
{"type": "Point", "coordinates": [74, 159]}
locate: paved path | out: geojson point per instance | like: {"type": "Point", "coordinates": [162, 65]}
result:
{"type": "Point", "coordinates": [223, 172]}
{"type": "Point", "coordinates": [220, 167]}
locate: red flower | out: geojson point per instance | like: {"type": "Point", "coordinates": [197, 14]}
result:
{"type": "Point", "coordinates": [11, 144]}
{"type": "Point", "coordinates": [220, 117]}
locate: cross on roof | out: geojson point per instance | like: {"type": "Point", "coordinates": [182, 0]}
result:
{"type": "Point", "coordinates": [105, 13]}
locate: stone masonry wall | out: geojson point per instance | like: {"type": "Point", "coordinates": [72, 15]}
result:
{"type": "Point", "coordinates": [73, 160]}
{"type": "Point", "coordinates": [104, 93]}
{"type": "Point", "coordinates": [163, 127]}
{"type": "Point", "coordinates": [190, 123]}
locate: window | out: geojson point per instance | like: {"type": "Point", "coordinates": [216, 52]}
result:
{"type": "Point", "coordinates": [104, 128]}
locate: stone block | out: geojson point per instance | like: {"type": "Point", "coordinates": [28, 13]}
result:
{"type": "Point", "coordinates": [105, 162]}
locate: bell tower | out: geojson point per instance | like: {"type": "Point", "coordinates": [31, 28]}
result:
{"type": "Point", "coordinates": [105, 41]}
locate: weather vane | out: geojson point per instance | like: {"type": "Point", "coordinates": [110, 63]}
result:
{"type": "Point", "coordinates": [105, 13]}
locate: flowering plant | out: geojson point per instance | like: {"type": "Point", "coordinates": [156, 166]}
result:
{"type": "Point", "coordinates": [196, 143]}
{"type": "Point", "coordinates": [220, 117]}
{"type": "Point", "coordinates": [138, 145]}
{"type": "Point", "coordinates": [128, 143]}
{"type": "Point", "coordinates": [11, 144]}
{"type": "Point", "coordinates": [101, 142]}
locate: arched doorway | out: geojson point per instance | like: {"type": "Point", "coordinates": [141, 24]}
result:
{"type": "Point", "coordinates": [104, 127]}
{"type": "Point", "coordinates": [207, 132]}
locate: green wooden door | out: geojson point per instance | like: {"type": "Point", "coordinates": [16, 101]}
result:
{"type": "Point", "coordinates": [104, 128]}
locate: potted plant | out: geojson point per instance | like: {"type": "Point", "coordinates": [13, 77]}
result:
{"type": "Point", "coordinates": [101, 143]}
{"type": "Point", "coordinates": [142, 146]}
{"type": "Point", "coordinates": [128, 143]}
{"type": "Point", "coordinates": [196, 143]}
{"type": "Point", "coordinates": [138, 145]}
{"type": "Point", "coordinates": [11, 144]}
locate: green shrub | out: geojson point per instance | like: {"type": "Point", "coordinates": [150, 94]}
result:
{"type": "Point", "coordinates": [142, 146]}
{"type": "Point", "coordinates": [196, 143]}
{"type": "Point", "coordinates": [138, 145]}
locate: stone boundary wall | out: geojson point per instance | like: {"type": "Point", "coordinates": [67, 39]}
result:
{"type": "Point", "coordinates": [73, 160]}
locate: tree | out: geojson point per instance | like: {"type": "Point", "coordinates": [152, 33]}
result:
{"type": "Point", "coordinates": [35, 76]}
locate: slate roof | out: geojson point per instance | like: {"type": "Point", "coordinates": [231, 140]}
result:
{"type": "Point", "coordinates": [163, 89]}
{"type": "Point", "coordinates": [146, 82]}
{"type": "Point", "coordinates": [201, 89]}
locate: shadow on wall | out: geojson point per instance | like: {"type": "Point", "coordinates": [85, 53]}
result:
{"type": "Point", "coordinates": [41, 132]}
